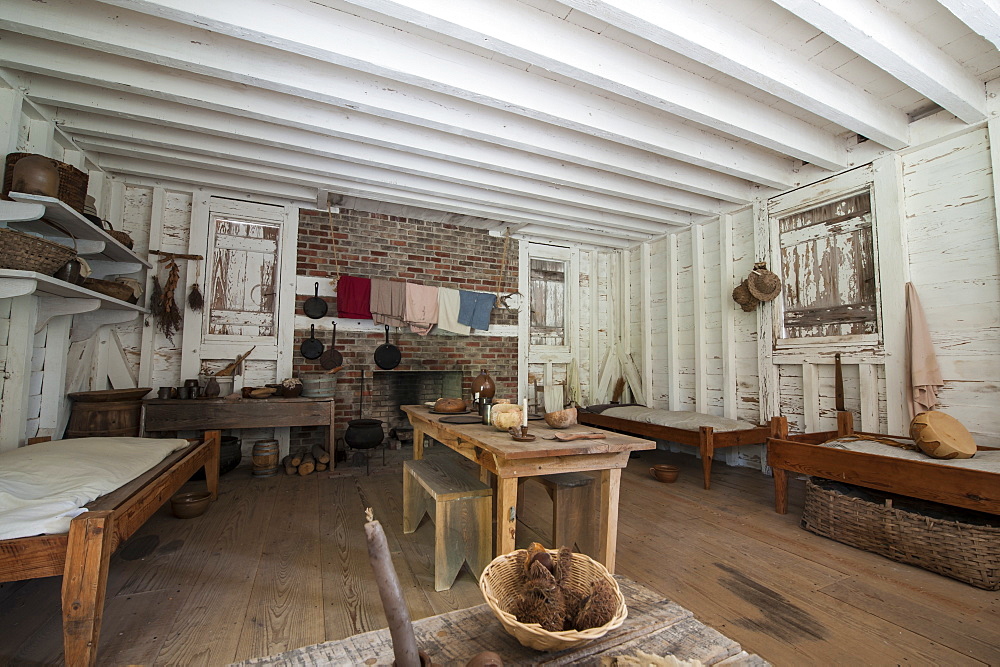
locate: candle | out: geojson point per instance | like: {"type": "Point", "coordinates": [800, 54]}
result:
{"type": "Point", "coordinates": [404, 644]}
{"type": "Point", "coordinates": [524, 413]}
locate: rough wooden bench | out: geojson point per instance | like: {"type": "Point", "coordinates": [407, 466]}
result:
{"type": "Point", "coordinates": [574, 510]}
{"type": "Point", "coordinates": [460, 507]}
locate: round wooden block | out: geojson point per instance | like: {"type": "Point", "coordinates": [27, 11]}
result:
{"type": "Point", "coordinates": [941, 436]}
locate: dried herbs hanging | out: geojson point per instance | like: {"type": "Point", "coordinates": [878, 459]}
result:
{"type": "Point", "coordinates": [195, 300]}
{"type": "Point", "coordinates": [156, 300]}
{"type": "Point", "coordinates": [170, 320]}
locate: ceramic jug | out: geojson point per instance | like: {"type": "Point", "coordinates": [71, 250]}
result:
{"type": "Point", "coordinates": [36, 175]}
{"type": "Point", "coordinates": [483, 385]}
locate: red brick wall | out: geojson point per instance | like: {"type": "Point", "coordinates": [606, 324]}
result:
{"type": "Point", "coordinates": [373, 245]}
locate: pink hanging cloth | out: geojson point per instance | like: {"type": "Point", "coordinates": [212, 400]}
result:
{"type": "Point", "coordinates": [925, 374]}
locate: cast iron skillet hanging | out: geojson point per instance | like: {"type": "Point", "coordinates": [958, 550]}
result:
{"type": "Point", "coordinates": [387, 356]}
{"type": "Point", "coordinates": [314, 308]}
{"type": "Point", "coordinates": [311, 348]}
{"type": "Point", "coordinates": [332, 357]}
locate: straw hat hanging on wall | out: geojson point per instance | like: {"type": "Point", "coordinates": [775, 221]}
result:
{"type": "Point", "coordinates": [742, 296]}
{"type": "Point", "coordinates": [763, 284]}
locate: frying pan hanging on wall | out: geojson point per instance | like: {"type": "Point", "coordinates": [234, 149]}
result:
{"type": "Point", "coordinates": [314, 307]}
{"type": "Point", "coordinates": [332, 357]}
{"type": "Point", "coordinates": [311, 348]}
{"type": "Point", "coordinates": [387, 356]}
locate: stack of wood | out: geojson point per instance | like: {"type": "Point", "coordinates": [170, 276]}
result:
{"type": "Point", "coordinates": [307, 461]}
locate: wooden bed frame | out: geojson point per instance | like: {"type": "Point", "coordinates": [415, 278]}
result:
{"type": "Point", "coordinates": [961, 487]}
{"type": "Point", "coordinates": [81, 556]}
{"type": "Point", "coordinates": [705, 438]}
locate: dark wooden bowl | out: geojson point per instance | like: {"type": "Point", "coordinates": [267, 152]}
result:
{"type": "Point", "coordinates": [191, 504]}
{"type": "Point", "coordinates": [664, 473]}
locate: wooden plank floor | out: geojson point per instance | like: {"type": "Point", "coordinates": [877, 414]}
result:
{"type": "Point", "coordinates": [280, 563]}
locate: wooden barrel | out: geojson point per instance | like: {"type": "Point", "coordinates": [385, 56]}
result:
{"type": "Point", "coordinates": [112, 412]}
{"type": "Point", "coordinates": [265, 458]}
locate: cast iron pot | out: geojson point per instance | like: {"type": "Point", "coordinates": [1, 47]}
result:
{"type": "Point", "coordinates": [364, 433]}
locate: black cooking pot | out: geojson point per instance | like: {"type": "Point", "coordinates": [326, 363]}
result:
{"type": "Point", "coordinates": [364, 433]}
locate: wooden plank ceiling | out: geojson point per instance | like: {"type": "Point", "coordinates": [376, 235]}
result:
{"type": "Point", "coordinates": [606, 122]}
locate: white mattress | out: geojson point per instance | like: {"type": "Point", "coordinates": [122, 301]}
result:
{"type": "Point", "coordinates": [689, 421]}
{"type": "Point", "coordinates": [43, 486]}
{"type": "Point", "coordinates": [987, 461]}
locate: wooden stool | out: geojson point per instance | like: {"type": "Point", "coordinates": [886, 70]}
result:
{"type": "Point", "coordinates": [574, 514]}
{"type": "Point", "coordinates": [460, 507]}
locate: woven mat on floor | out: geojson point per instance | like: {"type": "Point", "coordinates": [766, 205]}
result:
{"type": "Point", "coordinates": [654, 625]}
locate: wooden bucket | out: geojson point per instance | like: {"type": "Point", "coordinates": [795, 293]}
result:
{"type": "Point", "coordinates": [110, 412]}
{"type": "Point", "coordinates": [265, 458]}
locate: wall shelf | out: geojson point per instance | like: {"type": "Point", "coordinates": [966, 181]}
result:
{"type": "Point", "coordinates": [106, 246]}
{"type": "Point", "coordinates": [20, 283]}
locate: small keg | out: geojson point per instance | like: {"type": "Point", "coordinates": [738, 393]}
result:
{"type": "Point", "coordinates": [265, 458]}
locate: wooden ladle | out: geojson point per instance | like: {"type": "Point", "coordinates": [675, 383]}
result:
{"type": "Point", "coordinates": [566, 437]}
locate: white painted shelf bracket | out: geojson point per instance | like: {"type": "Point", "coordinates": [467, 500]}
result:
{"type": "Point", "coordinates": [11, 287]}
{"type": "Point", "coordinates": [86, 325]}
{"type": "Point", "coordinates": [54, 306]}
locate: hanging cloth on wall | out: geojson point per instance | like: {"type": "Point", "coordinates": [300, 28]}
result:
{"type": "Point", "coordinates": [388, 302]}
{"type": "Point", "coordinates": [449, 302]}
{"type": "Point", "coordinates": [475, 309]}
{"type": "Point", "coordinates": [421, 308]}
{"type": "Point", "coordinates": [354, 298]}
{"type": "Point", "coordinates": [925, 374]}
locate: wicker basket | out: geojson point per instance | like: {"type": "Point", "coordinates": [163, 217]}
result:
{"type": "Point", "coordinates": [110, 288]}
{"type": "Point", "coordinates": [25, 252]}
{"type": "Point", "coordinates": [72, 181]}
{"type": "Point", "coordinates": [498, 583]}
{"type": "Point", "coordinates": [121, 237]}
{"type": "Point", "coordinates": [957, 543]}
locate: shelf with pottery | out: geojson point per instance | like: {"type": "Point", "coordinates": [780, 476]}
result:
{"type": "Point", "coordinates": [91, 242]}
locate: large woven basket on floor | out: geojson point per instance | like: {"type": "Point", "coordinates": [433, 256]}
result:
{"type": "Point", "coordinates": [498, 583]}
{"type": "Point", "coordinates": [957, 543]}
{"type": "Point", "coordinates": [25, 252]}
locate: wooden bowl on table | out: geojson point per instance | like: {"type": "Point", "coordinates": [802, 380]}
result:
{"type": "Point", "coordinates": [561, 418]}
{"type": "Point", "coordinates": [664, 473]}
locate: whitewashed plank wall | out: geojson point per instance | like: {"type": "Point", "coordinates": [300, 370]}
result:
{"type": "Point", "coordinates": [955, 266]}
{"type": "Point", "coordinates": [953, 259]}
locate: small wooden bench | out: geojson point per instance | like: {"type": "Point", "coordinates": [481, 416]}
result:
{"type": "Point", "coordinates": [574, 510]}
{"type": "Point", "coordinates": [461, 508]}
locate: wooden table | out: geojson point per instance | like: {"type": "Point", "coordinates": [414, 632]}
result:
{"type": "Point", "coordinates": [497, 453]}
{"type": "Point", "coordinates": [214, 414]}
{"type": "Point", "coordinates": [654, 625]}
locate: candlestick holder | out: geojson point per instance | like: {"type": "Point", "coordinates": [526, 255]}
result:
{"type": "Point", "coordinates": [520, 434]}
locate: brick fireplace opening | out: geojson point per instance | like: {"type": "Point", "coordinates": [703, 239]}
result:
{"type": "Point", "coordinates": [385, 391]}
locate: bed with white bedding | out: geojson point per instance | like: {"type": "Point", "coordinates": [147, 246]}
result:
{"type": "Point", "coordinates": [66, 505]}
{"type": "Point", "coordinates": [704, 431]}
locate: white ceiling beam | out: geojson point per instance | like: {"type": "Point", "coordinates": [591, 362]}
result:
{"type": "Point", "coordinates": [445, 81]}
{"type": "Point", "coordinates": [276, 153]}
{"type": "Point", "coordinates": [982, 16]}
{"type": "Point", "coordinates": [172, 164]}
{"type": "Point", "coordinates": [541, 39]}
{"type": "Point", "coordinates": [697, 31]}
{"type": "Point", "coordinates": [189, 148]}
{"type": "Point", "coordinates": [877, 35]}
{"type": "Point", "coordinates": [578, 151]}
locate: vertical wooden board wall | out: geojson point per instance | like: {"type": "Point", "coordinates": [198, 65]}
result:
{"type": "Point", "coordinates": [710, 331]}
{"type": "Point", "coordinates": [955, 266]}
{"type": "Point", "coordinates": [659, 321]}
{"type": "Point", "coordinates": [744, 347]}
{"type": "Point", "coordinates": [684, 327]}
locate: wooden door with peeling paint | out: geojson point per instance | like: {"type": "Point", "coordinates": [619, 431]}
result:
{"type": "Point", "coordinates": [241, 299]}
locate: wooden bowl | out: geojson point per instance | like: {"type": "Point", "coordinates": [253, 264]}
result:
{"type": "Point", "coordinates": [189, 505]}
{"type": "Point", "coordinates": [664, 473]}
{"type": "Point", "coordinates": [561, 418]}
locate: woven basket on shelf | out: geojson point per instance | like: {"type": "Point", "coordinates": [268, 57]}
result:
{"type": "Point", "coordinates": [110, 288]}
{"type": "Point", "coordinates": [957, 543]}
{"type": "Point", "coordinates": [72, 181]}
{"type": "Point", "coordinates": [121, 237]}
{"type": "Point", "coordinates": [25, 252]}
{"type": "Point", "coordinates": [498, 583]}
